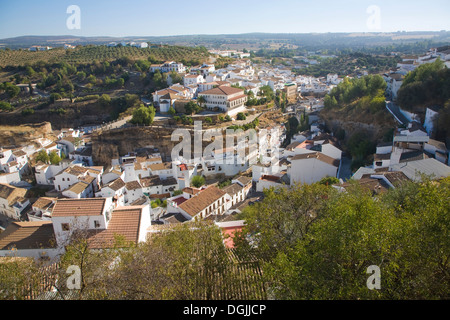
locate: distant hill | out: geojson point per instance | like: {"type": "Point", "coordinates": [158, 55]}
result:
{"type": "Point", "coordinates": [309, 41]}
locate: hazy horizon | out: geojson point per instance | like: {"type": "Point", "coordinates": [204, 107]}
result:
{"type": "Point", "coordinates": [178, 18]}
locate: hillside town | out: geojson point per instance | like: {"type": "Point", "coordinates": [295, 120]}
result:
{"type": "Point", "coordinates": [146, 191]}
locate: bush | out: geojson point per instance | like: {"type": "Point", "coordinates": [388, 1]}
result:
{"type": "Point", "coordinates": [241, 116]}
{"type": "Point", "coordinates": [6, 106]}
{"type": "Point", "coordinates": [27, 111]}
{"type": "Point", "coordinates": [143, 115]}
{"type": "Point", "coordinates": [198, 181]}
{"type": "Point", "coordinates": [54, 97]}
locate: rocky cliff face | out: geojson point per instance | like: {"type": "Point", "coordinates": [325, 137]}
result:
{"type": "Point", "coordinates": [374, 127]}
{"type": "Point", "coordinates": [21, 135]}
{"type": "Point", "coordinates": [113, 144]}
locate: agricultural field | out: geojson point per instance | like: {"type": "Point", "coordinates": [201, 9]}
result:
{"type": "Point", "coordinates": [87, 54]}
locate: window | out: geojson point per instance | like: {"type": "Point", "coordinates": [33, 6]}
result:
{"type": "Point", "coordinates": [96, 224]}
{"type": "Point", "coordinates": [65, 226]}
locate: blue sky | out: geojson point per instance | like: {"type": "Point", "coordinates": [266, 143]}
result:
{"type": "Point", "coordinates": [181, 17]}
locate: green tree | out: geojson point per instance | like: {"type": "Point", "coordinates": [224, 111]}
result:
{"type": "Point", "coordinates": [201, 101]}
{"type": "Point", "coordinates": [143, 115]}
{"type": "Point", "coordinates": [198, 181]}
{"type": "Point", "coordinates": [42, 156]}
{"type": "Point", "coordinates": [172, 111]}
{"type": "Point", "coordinates": [191, 108]}
{"type": "Point", "coordinates": [6, 106]}
{"type": "Point", "coordinates": [55, 96]}
{"type": "Point", "coordinates": [282, 219]}
{"type": "Point", "coordinates": [104, 100]}
{"type": "Point", "coordinates": [11, 90]}
{"type": "Point", "coordinates": [54, 158]}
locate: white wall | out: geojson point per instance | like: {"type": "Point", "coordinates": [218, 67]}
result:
{"type": "Point", "coordinates": [310, 171]}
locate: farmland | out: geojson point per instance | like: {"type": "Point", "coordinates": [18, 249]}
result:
{"type": "Point", "coordinates": [87, 54]}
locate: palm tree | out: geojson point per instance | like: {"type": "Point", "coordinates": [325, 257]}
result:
{"type": "Point", "coordinates": [201, 100]}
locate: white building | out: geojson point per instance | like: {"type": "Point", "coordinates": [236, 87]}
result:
{"type": "Point", "coordinates": [169, 66]}
{"type": "Point", "coordinates": [227, 99]}
{"type": "Point", "coordinates": [192, 79]}
{"type": "Point", "coordinates": [312, 167]}
{"type": "Point", "coordinates": [205, 202]}
{"type": "Point", "coordinates": [81, 189]}
{"type": "Point", "coordinates": [71, 215]}
{"type": "Point", "coordinates": [44, 173]}
{"type": "Point", "coordinates": [31, 239]}
{"type": "Point", "coordinates": [42, 209]}
{"type": "Point", "coordinates": [74, 174]}
{"type": "Point", "coordinates": [12, 201]}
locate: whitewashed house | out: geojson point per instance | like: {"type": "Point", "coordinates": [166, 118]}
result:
{"type": "Point", "coordinates": [74, 174]}
{"type": "Point", "coordinates": [12, 201]}
{"type": "Point", "coordinates": [30, 239]}
{"type": "Point", "coordinates": [192, 79]}
{"type": "Point", "coordinates": [41, 209]}
{"type": "Point", "coordinates": [312, 167]}
{"type": "Point", "coordinates": [113, 189]}
{"type": "Point", "coordinates": [206, 202]}
{"type": "Point", "coordinates": [81, 189]}
{"type": "Point", "coordinates": [133, 191]}
{"type": "Point", "coordinates": [44, 173]}
{"type": "Point", "coordinates": [70, 215]}
{"type": "Point", "coordinates": [227, 99]}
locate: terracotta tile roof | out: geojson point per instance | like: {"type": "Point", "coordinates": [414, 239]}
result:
{"type": "Point", "coordinates": [19, 153]}
{"type": "Point", "coordinates": [151, 181]}
{"type": "Point", "coordinates": [11, 193]}
{"type": "Point", "coordinates": [319, 156]}
{"type": "Point", "coordinates": [232, 189]}
{"type": "Point", "coordinates": [87, 179]}
{"type": "Point", "coordinates": [223, 90]}
{"type": "Point", "coordinates": [79, 207]}
{"type": "Point", "coordinates": [133, 185]}
{"type": "Point", "coordinates": [395, 177]}
{"type": "Point", "coordinates": [384, 156]}
{"type": "Point", "coordinates": [191, 190]}
{"type": "Point", "coordinates": [244, 180]}
{"type": "Point", "coordinates": [125, 222]}
{"type": "Point", "coordinates": [75, 170]}
{"type": "Point", "coordinates": [293, 145]}
{"type": "Point", "coordinates": [172, 218]}
{"type": "Point", "coordinates": [78, 187]}
{"type": "Point", "coordinates": [44, 202]}
{"type": "Point", "coordinates": [28, 235]}
{"type": "Point", "coordinates": [116, 184]}
{"type": "Point", "coordinates": [196, 204]}
{"type": "Point", "coordinates": [374, 186]}
{"type": "Point", "coordinates": [238, 97]}
{"type": "Point", "coordinates": [169, 181]}
{"type": "Point", "coordinates": [161, 166]}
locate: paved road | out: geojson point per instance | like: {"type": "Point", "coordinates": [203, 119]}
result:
{"type": "Point", "coordinates": [395, 111]}
{"type": "Point", "coordinates": [346, 171]}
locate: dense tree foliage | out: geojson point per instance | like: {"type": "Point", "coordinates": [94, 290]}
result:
{"type": "Point", "coordinates": [143, 115]}
{"type": "Point", "coordinates": [318, 243]}
{"type": "Point", "coordinates": [311, 242]}
{"type": "Point", "coordinates": [427, 85]}
{"type": "Point", "coordinates": [350, 65]}
{"type": "Point", "coordinates": [368, 91]}
{"type": "Point", "coordinates": [198, 181]}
